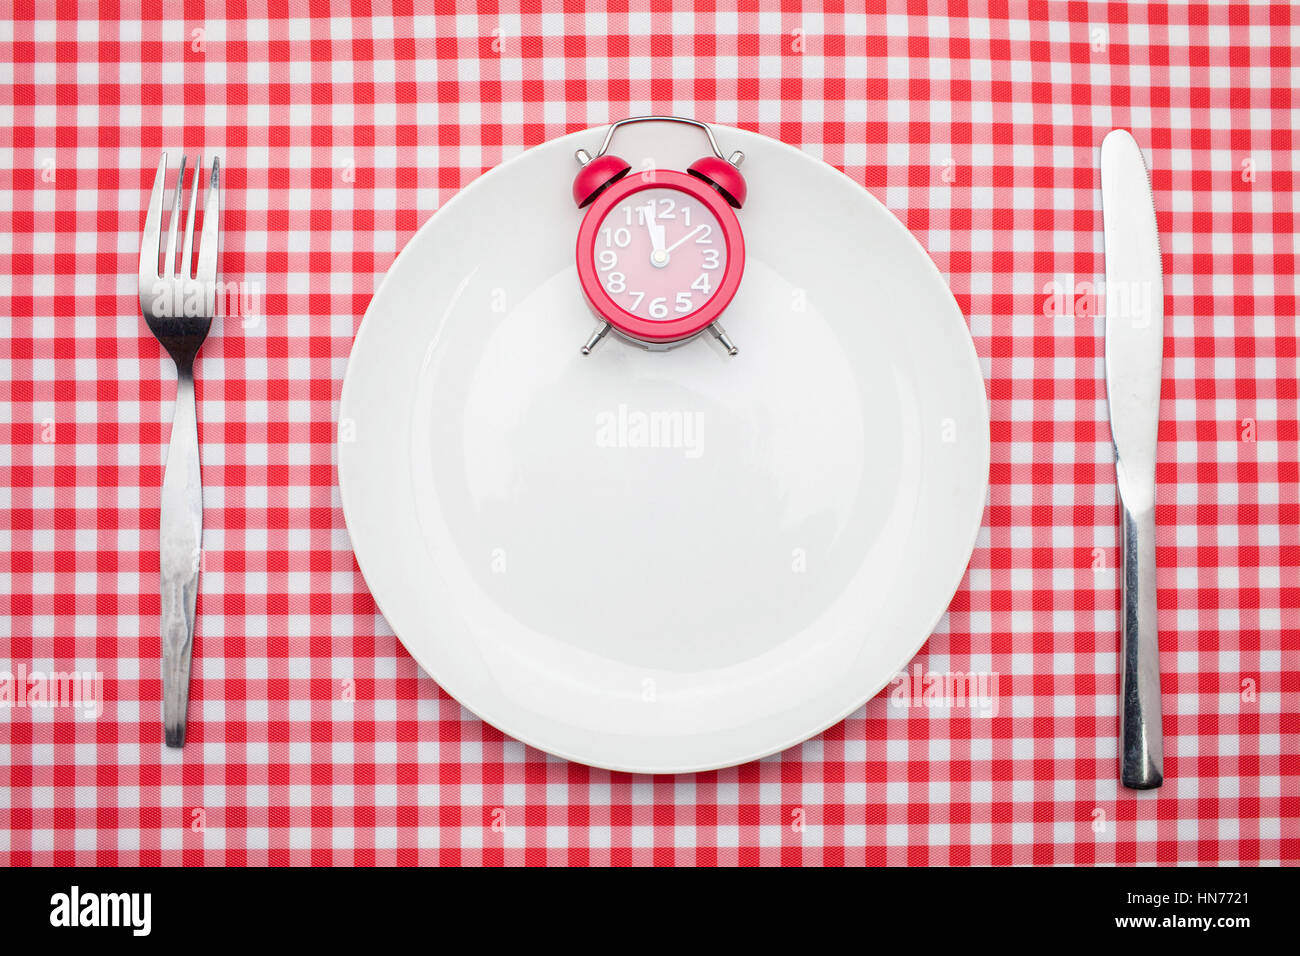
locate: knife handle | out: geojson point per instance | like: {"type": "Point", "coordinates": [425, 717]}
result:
{"type": "Point", "coordinates": [1141, 744]}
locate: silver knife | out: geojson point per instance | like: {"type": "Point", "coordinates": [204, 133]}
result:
{"type": "Point", "coordinates": [1135, 324]}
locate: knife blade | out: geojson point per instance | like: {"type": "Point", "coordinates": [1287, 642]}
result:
{"type": "Point", "coordinates": [1134, 353]}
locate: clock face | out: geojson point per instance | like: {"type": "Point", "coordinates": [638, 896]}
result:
{"type": "Point", "coordinates": [660, 254]}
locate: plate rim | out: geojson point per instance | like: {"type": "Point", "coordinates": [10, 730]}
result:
{"type": "Point", "coordinates": [860, 700]}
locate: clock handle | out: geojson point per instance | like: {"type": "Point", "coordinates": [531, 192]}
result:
{"type": "Point", "coordinates": [603, 169]}
{"type": "Point", "coordinates": [713, 143]}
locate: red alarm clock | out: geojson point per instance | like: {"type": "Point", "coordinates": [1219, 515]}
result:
{"type": "Point", "coordinates": [660, 252]}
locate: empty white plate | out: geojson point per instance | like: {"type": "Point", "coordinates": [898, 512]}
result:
{"type": "Point", "coordinates": [663, 561]}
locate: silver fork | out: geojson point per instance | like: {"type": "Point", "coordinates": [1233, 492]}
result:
{"type": "Point", "coordinates": [178, 305]}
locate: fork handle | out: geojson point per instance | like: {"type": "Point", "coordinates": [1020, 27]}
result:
{"type": "Point", "coordinates": [180, 535]}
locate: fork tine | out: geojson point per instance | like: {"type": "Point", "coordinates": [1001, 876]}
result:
{"type": "Point", "coordinates": [187, 261]}
{"type": "Point", "coordinates": [149, 245]}
{"type": "Point", "coordinates": [169, 264]}
{"type": "Point", "coordinates": [208, 239]}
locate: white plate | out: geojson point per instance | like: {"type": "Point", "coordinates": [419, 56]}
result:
{"type": "Point", "coordinates": [755, 579]}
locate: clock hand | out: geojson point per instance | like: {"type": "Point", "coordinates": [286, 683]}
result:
{"type": "Point", "coordinates": [689, 235]}
{"type": "Point", "coordinates": [653, 227]}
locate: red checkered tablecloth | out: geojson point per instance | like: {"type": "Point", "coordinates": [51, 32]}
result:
{"type": "Point", "coordinates": [315, 738]}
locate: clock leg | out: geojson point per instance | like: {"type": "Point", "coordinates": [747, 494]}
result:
{"type": "Point", "coordinates": [720, 334]}
{"type": "Point", "coordinates": [595, 337]}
